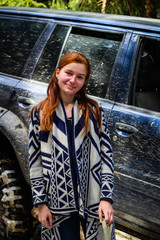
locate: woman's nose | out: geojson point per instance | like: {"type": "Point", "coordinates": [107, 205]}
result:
{"type": "Point", "coordinates": [73, 79]}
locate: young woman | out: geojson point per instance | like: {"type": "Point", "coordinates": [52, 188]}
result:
{"type": "Point", "coordinates": [70, 156]}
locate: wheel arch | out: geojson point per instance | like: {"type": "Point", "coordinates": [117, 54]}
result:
{"type": "Point", "coordinates": [14, 141]}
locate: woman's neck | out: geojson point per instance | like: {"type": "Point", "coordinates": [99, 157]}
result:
{"type": "Point", "coordinates": [67, 99]}
{"type": "Point", "coordinates": [68, 102]}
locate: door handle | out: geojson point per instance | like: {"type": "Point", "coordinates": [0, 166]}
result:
{"type": "Point", "coordinates": [25, 102]}
{"type": "Point", "coordinates": [125, 130]}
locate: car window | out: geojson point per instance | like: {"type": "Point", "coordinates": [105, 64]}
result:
{"type": "Point", "coordinates": [17, 38]}
{"type": "Point", "coordinates": [50, 54]}
{"type": "Point", "coordinates": [147, 90]}
{"type": "Point", "coordinates": [101, 49]}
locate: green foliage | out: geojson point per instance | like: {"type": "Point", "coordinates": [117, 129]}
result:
{"type": "Point", "coordinates": [84, 5]}
{"type": "Point", "coordinates": [58, 4]}
{"type": "Point", "coordinates": [22, 3]}
{"type": "Point", "coordinates": [143, 8]}
{"type": "Point", "coordinates": [74, 5]}
{"type": "Point", "coordinates": [126, 7]}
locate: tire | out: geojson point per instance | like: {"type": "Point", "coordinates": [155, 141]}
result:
{"type": "Point", "coordinates": [15, 211]}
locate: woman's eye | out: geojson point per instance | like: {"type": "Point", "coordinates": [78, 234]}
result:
{"type": "Point", "coordinates": [68, 73]}
{"type": "Point", "coordinates": [80, 77]}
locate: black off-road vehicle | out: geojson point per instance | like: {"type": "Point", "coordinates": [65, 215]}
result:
{"type": "Point", "coordinates": [125, 56]}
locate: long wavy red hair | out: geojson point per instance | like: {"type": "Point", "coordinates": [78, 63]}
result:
{"type": "Point", "coordinates": [49, 104]}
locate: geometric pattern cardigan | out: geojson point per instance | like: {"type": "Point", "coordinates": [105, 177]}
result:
{"type": "Point", "coordinates": [51, 172]}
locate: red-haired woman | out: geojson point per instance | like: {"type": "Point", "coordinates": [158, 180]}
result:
{"type": "Point", "coordinates": [70, 156]}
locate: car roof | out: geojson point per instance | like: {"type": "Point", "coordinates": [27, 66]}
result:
{"type": "Point", "coordinates": [130, 22]}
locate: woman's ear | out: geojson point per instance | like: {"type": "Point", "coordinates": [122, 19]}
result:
{"type": "Point", "coordinates": [57, 72]}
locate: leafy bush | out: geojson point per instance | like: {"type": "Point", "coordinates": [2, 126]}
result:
{"type": "Point", "coordinates": [143, 8]}
{"type": "Point", "coordinates": [22, 3]}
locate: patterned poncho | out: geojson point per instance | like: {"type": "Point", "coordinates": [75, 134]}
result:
{"type": "Point", "coordinates": [51, 171]}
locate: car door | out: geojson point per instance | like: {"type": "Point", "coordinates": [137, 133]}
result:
{"type": "Point", "coordinates": [17, 39]}
{"type": "Point", "coordinates": [33, 86]}
{"type": "Point", "coordinates": [135, 133]}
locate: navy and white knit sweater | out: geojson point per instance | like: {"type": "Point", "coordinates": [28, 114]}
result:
{"type": "Point", "coordinates": [51, 171]}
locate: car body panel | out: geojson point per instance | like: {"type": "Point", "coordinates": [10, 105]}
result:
{"type": "Point", "coordinates": [136, 137]}
{"type": "Point", "coordinates": [26, 95]}
{"type": "Point", "coordinates": [7, 85]}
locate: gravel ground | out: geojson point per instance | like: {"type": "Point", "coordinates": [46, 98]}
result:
{"type": "Point", "coordinates": [124, 236]}
{"type": "Point", "coordinates": [119, 236]}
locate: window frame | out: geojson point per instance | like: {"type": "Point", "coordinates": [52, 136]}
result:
{"type": "Point", "coordinates": [135, 67]}
{"type": "Point", "coordinates": [98, 28]}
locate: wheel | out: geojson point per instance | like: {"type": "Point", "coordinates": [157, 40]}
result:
{"type": "Point", "coordinates": [15, 212]}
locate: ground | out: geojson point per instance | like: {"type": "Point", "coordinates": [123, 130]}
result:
{"type": "Point", "coordinates": [119, 236]}
{"type": "Point", "coordinates": [124, 236]}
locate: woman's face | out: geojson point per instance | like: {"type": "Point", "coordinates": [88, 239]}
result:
{"type": "Point", "coordinates": [71, 78]}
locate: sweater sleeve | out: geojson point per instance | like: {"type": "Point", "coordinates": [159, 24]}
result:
{"type": "Point", "coordinates": [35, 163]}
{"type": "Point", "coordinates": [107, 164]}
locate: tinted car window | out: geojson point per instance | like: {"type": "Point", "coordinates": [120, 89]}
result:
{"type": "Point", "coordinates": [17, 39]}
{"type": "Point", "coordinates": [49, 57]}
{"type": "Point", "coordinates": [147, 91]}
{"type": "Point", "coordinates": [101, 49]}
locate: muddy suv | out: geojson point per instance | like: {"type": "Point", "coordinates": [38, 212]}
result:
{"type": "Point", "coordinates": [125, 56]}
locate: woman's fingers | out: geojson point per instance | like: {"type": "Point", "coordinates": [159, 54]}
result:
{"type": "Point", "coordinates": [47, 221]}
{"type": "Point", "coordinates": [50, 221]}
{"type": "Point", "coordinates": [109, 216]}
{"type": "Point", "coordinates": [100, 214]}
{"type": "Point", "coordinates": [45, 216]}
{"type": "Point", "coordinates": [105, 207]}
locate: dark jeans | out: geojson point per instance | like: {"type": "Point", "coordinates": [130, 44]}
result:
{"type": "Point", "coordinates": [70, 228]}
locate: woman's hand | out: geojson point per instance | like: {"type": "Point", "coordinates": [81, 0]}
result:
{"type": "Point", "coordinates": [45, 216]}
{"type": "Point", "coordinates": [105, 207]}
